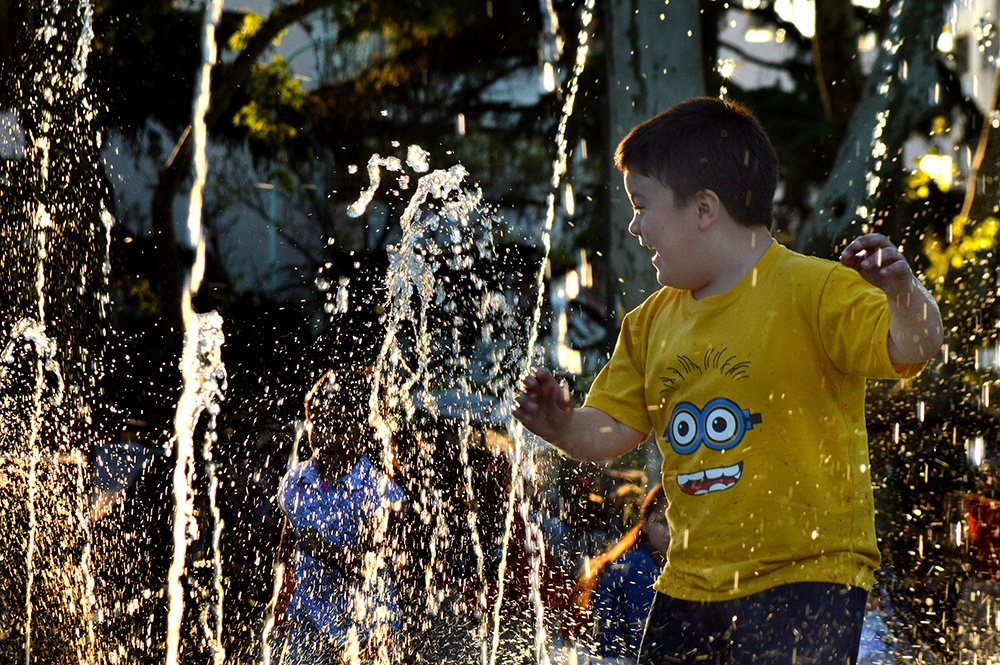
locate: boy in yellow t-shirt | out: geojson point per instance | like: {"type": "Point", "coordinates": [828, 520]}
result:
{"type": "Point", "coordinates": [749, 367]}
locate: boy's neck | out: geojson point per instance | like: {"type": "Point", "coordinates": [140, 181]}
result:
{"type": "Point", "coordinates": [738, 248]}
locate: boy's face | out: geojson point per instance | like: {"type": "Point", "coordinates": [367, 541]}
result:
{"type": "Point", "coordinates": [671, 232]}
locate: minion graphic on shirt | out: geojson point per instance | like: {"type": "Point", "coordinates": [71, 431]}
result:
{"type": "Point", "coordinates": [720, 424]}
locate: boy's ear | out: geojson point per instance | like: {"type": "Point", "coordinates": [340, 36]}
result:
{"type": "Point", "coordinates": [708, 206]}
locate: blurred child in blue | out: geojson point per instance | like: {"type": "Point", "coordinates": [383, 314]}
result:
{"type": "Point", "coordinates": [341, 507]}
{"type": "Point", "coordinates": [619, 581]}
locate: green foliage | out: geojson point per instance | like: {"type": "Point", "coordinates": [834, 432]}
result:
{"type": "Point", "coordinates": [137, 298]}
{"type": "Point", "coordinates": [274, 95]}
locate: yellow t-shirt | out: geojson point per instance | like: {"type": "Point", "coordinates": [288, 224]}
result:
{"type": "Point", "coordinates": [756, 397]}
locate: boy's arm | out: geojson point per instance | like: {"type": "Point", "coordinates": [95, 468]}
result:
{"type": "Point", "coordinates": [915, 328]}
{"type": "Point", "coordinates": [350, 559]}
{"type": "Point", "coordinates": [583, 433]}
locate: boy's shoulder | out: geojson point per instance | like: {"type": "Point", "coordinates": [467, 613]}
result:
{"type": "Point", "coordinates": [788, 259]}
{"type": "Point", "coordinates": [780, 269]}
{"type": "Point", "coordinates": [789, 267]}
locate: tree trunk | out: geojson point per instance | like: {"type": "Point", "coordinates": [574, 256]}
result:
{"type": "Point", "coordinates": [835, 56]}
{"type": "Point", "coordinates": [654, 62]}
{"type": "Point", "coordinates": [898, 95]}
{"type": "Point", "coordinates": [981, 198]}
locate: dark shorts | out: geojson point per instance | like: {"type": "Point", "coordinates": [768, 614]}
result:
{"type": "Point", "coordinates": [802, 623]}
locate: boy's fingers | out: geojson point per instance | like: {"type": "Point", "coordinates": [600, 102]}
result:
{"type": "Point", "coordinates": [871, 239]}
{"type": "Point", "coordinates": [866, 244]}
{"type": "Point", "coordinates": [882, 258]}
{"type": "Point", "coordinates": [540, 373]}
{"type": "Point", "coordinates": [875, 259]}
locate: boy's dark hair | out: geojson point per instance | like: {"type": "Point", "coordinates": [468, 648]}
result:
{"type": "Point", "coordinates": [707, 143]}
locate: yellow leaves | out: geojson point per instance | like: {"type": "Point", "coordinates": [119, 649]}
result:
{"type": "Point", "coordinates": [259, 125]}
{"type": "Point", "coordinates": [251, 25]}
{"type": "Point", "coordinates": [966, 246]}
{"type": "Point", "coordinates": [917, 186]}
{"type": "Point", "coordinates": [274, 94]}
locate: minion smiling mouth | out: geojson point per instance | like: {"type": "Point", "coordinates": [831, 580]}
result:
{"type": "Point", "coordinates": [710, 480]}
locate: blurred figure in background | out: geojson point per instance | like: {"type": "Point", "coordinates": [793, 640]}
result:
{"type": "Point", "coordinates": [617, 585]}
{"type": "Point", "coordinates": [576, 527]}
{"type": "Point", "coordinates": [341, 508]}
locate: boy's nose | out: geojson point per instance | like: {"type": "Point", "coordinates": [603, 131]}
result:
{"type": "Point", "coordinates": [633, 226]}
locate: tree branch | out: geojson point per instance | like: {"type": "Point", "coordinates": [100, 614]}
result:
{"type": "Point", "coordinates": [228, 80]}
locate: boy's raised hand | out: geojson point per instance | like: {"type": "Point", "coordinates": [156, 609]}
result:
{"type": "Point", "coordinates": [915, 329]}
{"type": "Point", "coordinates": [543, 406]}
{"type": "Point", "coordinates": [879, 262]}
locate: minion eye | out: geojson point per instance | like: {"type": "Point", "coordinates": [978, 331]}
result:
{"type": "Point", "coordinates": [726, 423]}
{"type": "Point", "coordinates": [721, 427]}
{"type": "Point", "coordinates": [683, 430]}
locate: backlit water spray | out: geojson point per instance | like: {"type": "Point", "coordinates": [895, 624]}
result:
{"type": "Point", "coordinates": [428, 367]}
{"type": "Point", "coordinates": [46, 596]}
{"type": "Point", "coordinates": [533, 533]}
{"type": "Point", "coordinates": [204, 382]}
{"type": "Point", "coordinates": [441, 216]}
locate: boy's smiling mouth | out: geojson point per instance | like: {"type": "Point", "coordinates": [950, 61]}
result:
{"type": "Point", "coordinates": [710, 480]}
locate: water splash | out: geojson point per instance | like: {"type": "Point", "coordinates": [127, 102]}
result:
{"type": "Point", "coordinates": [202, 372]}
{"type": "Point", "coordinates": [43, 470]}
{"type": "Point", "coordinates": [559, 170]}
{"type": "Point", "coordinates": [32, 332]}
{"type": "Point", "coordinates": [406, 363]}
{"type": "Point", "coordinates": [375, 166]}
{"type": "Point", "coordinates": [204, 385]}
{"type": "Point", "coordinates": [429, 367]}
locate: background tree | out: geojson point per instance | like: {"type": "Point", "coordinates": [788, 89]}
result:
{"type": "Point", "coordinates": [649, 68]}
{"type": "Point", "coordinates": [897, 101]}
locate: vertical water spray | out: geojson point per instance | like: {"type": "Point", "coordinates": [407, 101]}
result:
{"type": "Point", "coordinates": [446, 360]}
{"type": "Point", "coordinates": [202, 372]}
{"type": "Point", "coordinates": [41, 222]}
{"type": "Point", "coordinates": [279, 569]}
{"type": "Point", "coordinates": [46, 374]}
{"type": "Point", "coordinates": [559, 170]}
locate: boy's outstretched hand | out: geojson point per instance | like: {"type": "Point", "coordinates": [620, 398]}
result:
{"type": "Point", "coordinates": [880, 263]}
{"type": "Point", "coordinates": [584, 433]}
{"type": "Point", "coordinates": [543, 406]}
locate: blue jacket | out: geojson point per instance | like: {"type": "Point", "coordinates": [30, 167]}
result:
{"type": "Point", "coordinates": [621, 603]}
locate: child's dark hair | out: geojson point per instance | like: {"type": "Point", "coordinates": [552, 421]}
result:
{"type": "Point", "coordinates": [338, 398]}
{"type": "Point", "coordinates": [707, 143]}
